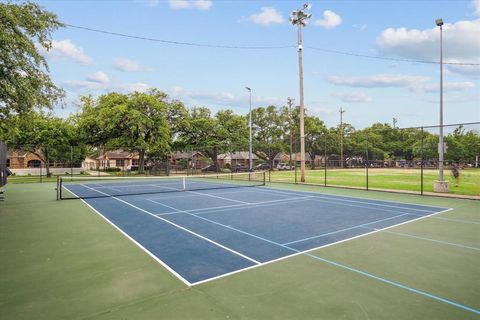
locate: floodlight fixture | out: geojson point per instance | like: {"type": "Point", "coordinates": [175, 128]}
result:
{"type": "Point", "coordinates": [439, 22]}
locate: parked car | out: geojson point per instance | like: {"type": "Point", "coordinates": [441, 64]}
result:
{"type": "Point", "coordinates": [239, 168]}
{"type": "Point", "coordinates": [210, 168]}
{"type": "Point", "coordinates": [283, 166]}
{"type": "Point", "coordinates": [262, 166]}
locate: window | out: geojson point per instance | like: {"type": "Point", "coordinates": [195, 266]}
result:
{"type": "Point", "coordinates": [135, 162]}
{"type": "Point", "coordinates": [34, 164]}
{"type": "Point", "coordinates": [8, 163]}
{"type": "Point", "coordinates": [120, 163]}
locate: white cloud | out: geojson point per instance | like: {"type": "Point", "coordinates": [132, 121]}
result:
{"type": "Point", "coordinates": [375, 81]}
{"type": "Point", "coordinates": [354, 97]}
{"type": "Point", "coordinates": [329, 21]}
{"type": "Point", "coordinates": [269, 15]}
{"type": "Point", "coordinates": [99, 77]}
{"type": "Point", "coordinates": [220, 98]}
{"type": "Point", "coordinates": [476, 7]}
{"type": "Point", "coordinates": [130, 87]}
{"type": "Point", "coordinates": [127, 65]}
{"type": "Point", "coordinates": [460, 44]}
{"type": "Point", "coordinates": [447, 86]}
{"type": "Point", "coordinates": [83, 84]}
{"type": "Point", "coordinates": [319, 110]}
{"type": "Point", "coordinates": [191, 4]}
{"type": "Point", "coordinates": [66, 49]}
{"type": "Point", "coordinates": [412, 83]}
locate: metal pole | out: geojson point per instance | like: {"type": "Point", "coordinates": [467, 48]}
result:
{"type": "Point", "coordinates": [71, 162]}
{"type": "Point", "coordinates": [341, 137]}
{"type": "Point", "coordinates": [250, 126]}
{"type": "Point", "coordinates": [421, 166]}
{"type": "Point", "coordinates": [366, 164]}
{"type": "Point", "coordinates": [442, 146]}
{"type": "Point", "coordinates": [326, 162]}
{"type": "Point", "coordinates": [302, 106]}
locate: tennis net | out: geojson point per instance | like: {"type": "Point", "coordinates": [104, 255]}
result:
{"type": "Point", "coordinates": [98, 187]}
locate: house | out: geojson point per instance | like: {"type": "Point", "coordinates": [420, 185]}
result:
{"type": "Point", "coordinates": [240, 158]}
{"type": "Point", "coordinates": [20, 159]}
{"type": "Point", "coordinates": [192, 159]}
{"type": "Point", "coordinates": [112, 159]}
{"type": "Point", "coordinates": [283, 157]}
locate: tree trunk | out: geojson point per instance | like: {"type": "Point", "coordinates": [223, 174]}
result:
{"type": "Point", "coordinates": [215, 158]}
{"type": "Point", "coordinates": [47, 162]}
{"type": "Point", "coordinates": [141, 161]}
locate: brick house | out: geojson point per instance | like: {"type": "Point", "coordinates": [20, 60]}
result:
{"type": "Point", "coordinates": [112, 159]}
{"type": "Point", "coordinates": [241, 158]}
{"type": "Point", "coordinates": [192, 159]}
{"type": "Point", "coordinates": [20, 159]}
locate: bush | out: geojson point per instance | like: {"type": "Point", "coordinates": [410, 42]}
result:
{"type": "Point", "coordinates": [112, 170]}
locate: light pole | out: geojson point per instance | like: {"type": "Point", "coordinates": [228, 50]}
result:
{"type": "Point", "coordinates": [341, 136]}
{"type": "Point", "coordinates": [300, 18]}
{"type": "Point", "coordinates": [441, 186]}
{"type": "Point", "coordinates": [250, 167]}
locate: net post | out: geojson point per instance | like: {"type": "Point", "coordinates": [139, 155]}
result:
{"type": "Point", "coordinates": [60, 187]}
{"type": "Point", "coordinates": [58, 183]}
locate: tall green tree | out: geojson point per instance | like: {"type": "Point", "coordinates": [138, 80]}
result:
{"type": "Point", "coordinates": [136, 122]}
{"type": "Point", "coordinates": [25, 84]}
{"type": "Point", "coordinates": [49, 137]}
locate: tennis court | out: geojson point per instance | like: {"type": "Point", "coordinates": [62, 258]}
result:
{"type": "Point", "coordinates": [204, 228]}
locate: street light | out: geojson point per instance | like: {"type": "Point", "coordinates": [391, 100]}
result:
{"type": "Point", "coordinates": [250, 167]}
{"type": "Point", "coordinates": [441, 185]}
{"type": "Point", "coordinates": [300, 18]}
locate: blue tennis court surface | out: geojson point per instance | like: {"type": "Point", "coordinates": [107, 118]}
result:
{"type": "Point", "coordinates": [204, 234]}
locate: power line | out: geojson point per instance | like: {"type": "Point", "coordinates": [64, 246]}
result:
{"type": "Point", "coordinates": [218, 46]}
{"type": "Point", "coordinates": [193, 44]}
{"type": "Point", "coordinates": [390, 59]}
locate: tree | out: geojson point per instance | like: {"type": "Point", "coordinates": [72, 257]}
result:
{"type": "Point", "coordinates": [50, 138]}
{"type": "Point", "coordinates": [268, 132]}
{"type": "Point", "coordinates": [24, 81]}
{"type": "Point", "coordinates": [136, 122]}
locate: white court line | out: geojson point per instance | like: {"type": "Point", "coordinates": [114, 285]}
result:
{"type": "Point", "coordinates": [317, 248]}
{"type": "Point", "coordinates": [234, 206]}
{"type": "Point", "coordinates": [342, 199]}
{"type": "Point", "coordinates": [178, 226]}
{"type": "Point", "coordinates": [427, 239]}
{"type": "Point", "coordinates": [166, 266]}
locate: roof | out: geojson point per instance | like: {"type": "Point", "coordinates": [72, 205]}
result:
{"type": "Point", "coordinates": [240, 155]}
{"type": "Point", "coordinates": [186, 155]}
{"type": "Point", "coordinates": [117, 154]}
{"type": "Point", "coordinates": [16, 153]}
{"type": "Point", "coordinates": [296, 156]}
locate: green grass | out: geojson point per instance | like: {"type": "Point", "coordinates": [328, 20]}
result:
{"type": "Point", "coordinates": [60, 260]}
{"type": "Point", "coordinates": [390, 179]}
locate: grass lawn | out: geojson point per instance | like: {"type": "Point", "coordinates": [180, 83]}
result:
{"type": "Point", "coordinates": [393, 179]}
{"type": "Point", "coordinates": [60, 260]}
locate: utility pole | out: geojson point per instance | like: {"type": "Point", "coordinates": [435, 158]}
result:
{"type": "Point", "coordinates": [341, 136]}
{"type": "Point", "coordinates": [290, 120]}
{"type": "Point", "coordinates": [300, 18]}
{"type": "Point", "coordinates": [394, 123]}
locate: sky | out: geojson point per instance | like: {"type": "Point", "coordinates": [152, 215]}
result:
{"type": "Point", "coordinates": [336, 40]}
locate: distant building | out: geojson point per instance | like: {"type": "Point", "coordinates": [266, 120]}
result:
{"type": "Point", "coordinates": [112, 159]}
{"type": "Point", "coordinates": [192, 159]}
{"type": "Point", "coordinates": [240, 158]}
{"type": "Point", "coordinates": [20, 159]}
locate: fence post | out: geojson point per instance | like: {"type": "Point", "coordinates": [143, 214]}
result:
{"type": "Point", "coordinates": [40, 171]}
{"type": "Point", "coordinates": [326, 163]}
{"type": "Point", "coordinates": [421, 165]}
{"type": "Point", "coordinates": [71, 162]}
{"type": "Point", "coordinates": [295, 170]}
{"type": "Point", "coordinates": [366, 163]}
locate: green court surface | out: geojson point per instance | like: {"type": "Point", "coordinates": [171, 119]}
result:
{"type": "Point", "coordinates": [60, 260]}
